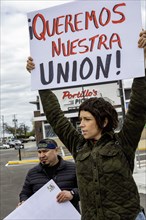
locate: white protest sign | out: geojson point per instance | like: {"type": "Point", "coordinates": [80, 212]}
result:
{"type": "Point", "coordinates": [85, 42]}
{"type": "Point", "coordinates": [43, 205]}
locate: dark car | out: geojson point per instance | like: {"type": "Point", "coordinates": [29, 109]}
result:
{"type": "Point", "coordinates": [19, 146]}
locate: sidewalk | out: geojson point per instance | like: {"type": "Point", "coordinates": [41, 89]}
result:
{"type": "Point", "coordinates": [140, 179]}
{"type": "Point", "coordinates": [140, 172]}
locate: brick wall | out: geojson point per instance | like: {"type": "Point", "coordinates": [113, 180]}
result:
{"type": "Point", "coordinates": [38, 127]}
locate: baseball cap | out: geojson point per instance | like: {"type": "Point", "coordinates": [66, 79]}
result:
{"type": "Point", "coordinates": [47, 143]}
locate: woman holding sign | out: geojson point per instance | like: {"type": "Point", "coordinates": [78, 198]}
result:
{"type": "Point", "coordinates": [104, 159]}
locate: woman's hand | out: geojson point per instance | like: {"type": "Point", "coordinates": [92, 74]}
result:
{"type": "Point", "coordinates": [30, 64]}
{"type": "Point", "coordinates": [142, 41]}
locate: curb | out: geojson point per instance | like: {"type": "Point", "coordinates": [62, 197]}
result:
{"type": "Point", "coordinates": [141, 148]}
{"type": "Point", "coordinates": [22, 162]}
{"type": "Point", "coordinates": [141, 188]}
{"type": "Point", "coordinates": [17, 162]}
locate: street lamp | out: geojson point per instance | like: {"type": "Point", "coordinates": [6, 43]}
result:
{"type": "Point", "coordinates": [15, 124]}
{"type": "Point", "coordinates": [3, 127]}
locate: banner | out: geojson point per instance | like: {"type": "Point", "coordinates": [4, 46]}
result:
{"type": "Point", "coordinates": [82, 43]}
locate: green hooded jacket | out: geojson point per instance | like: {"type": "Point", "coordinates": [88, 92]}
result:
{"type": "Point", "coordinates": [104, 169]}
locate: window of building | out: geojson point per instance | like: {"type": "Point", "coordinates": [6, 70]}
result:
{"type": "Point", "coordinates": [49, 131]}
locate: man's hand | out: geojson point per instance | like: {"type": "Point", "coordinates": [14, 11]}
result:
{"type": "Point", "coordinates": [64, 196]}
{"type": "Point", "coordinates": [30, 64]}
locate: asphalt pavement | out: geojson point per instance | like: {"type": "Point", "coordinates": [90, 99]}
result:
{"type": "Point", "coordinates": [13, 175]}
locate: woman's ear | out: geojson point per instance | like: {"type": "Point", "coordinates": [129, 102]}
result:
{"type": "Point", "coordinates": [105, 122]}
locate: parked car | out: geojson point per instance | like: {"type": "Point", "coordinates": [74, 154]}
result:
{"type": "Point", "coordinates": [31, 138]}
{"type": "Point", "coordinates": [17, 141]}
{"type": "Point", "coordinates": [12, 143]}
{"type": "Point", "coordinates": [19, 146]}
{"type": "Point", "coordinates": [24, 140]}
{"type": "Point", "coordinates": [4, 146]}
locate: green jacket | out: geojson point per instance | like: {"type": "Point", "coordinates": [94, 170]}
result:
{"type": "Point", "coordinates": [104, 169]}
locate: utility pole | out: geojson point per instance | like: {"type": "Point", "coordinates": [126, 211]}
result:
{"type": "Point", "coordinates": [3, 128]}
{"type": "Point", "coordinates": [122, 97]}
{"type": "Point", "coordinates": [15, 124]}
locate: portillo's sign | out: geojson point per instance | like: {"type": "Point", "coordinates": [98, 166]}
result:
{"type": "Point", "coordinates": [74, 99]}
{"type": "Point", "coordinates": [81, 94]}
{"type": "Point", "coordinates": [70, 99]}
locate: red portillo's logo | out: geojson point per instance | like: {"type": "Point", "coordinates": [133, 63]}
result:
{"type": "Point", "coordinates": [81, 94]}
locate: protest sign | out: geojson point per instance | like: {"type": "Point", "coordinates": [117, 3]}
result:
{"type": "Point", "coordinates": [43, 205]}
{"type": "Point", "coordinates": [82, 43]}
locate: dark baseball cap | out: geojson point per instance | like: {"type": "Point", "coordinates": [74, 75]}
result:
{"type": "Point", "coordinates": [47, 143]}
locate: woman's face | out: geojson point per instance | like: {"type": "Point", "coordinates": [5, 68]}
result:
{"type": "Point", "coordinates": [89, 127]}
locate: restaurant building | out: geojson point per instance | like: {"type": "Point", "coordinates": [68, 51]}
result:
{"type": "Point", "coordinates": [71, 98]}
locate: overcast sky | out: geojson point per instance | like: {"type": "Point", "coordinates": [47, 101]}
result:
{"type": "Point", "coordinates": [15, 80]}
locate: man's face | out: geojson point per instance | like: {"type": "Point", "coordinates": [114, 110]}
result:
{"type": "Point", "coordinates": [48, 156]}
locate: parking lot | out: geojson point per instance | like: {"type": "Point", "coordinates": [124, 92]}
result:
{"type": "Point", "coordinates": [12, 177]}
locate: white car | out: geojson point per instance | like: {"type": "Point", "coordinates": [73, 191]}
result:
{"type": "Point", "coordinates": [31, 138]}
{"type": "Point", "coordinates": [4, 146]}
{"type": "Point", "coordinates": [12, 143]}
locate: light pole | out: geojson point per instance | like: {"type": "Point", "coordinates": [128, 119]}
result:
{"type": "Point", "coordinates": [3, 128]}
{"type": "Point", "coordinates": [122, 97]}
{"type": "Point", "coordinates": [15, 124]}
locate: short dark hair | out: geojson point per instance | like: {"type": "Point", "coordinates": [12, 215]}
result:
{"type": "Point", "coordinates": [101, 109]}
